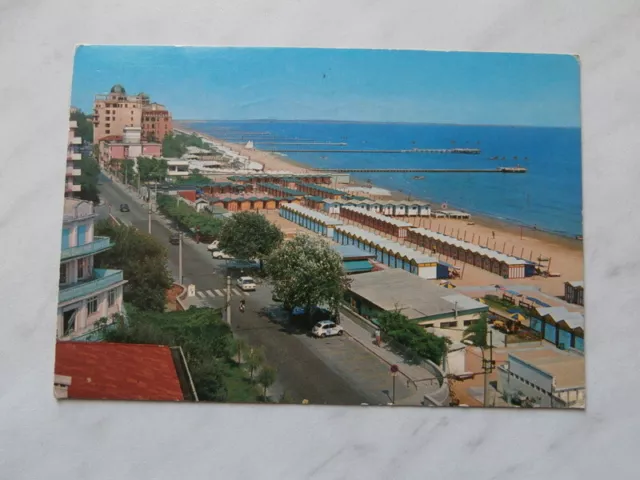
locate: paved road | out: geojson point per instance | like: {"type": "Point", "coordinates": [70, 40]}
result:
{"type": "Point", "coordinates": [334, 371]}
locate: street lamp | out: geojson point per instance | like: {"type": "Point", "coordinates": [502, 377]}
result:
{"type": "Point", "coordinates": [394, 373]}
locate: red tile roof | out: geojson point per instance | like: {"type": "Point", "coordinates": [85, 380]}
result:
{"type": "Point", "coordinates": [118, 371]}
{"type": "Point", "coordinates": [110, 138]}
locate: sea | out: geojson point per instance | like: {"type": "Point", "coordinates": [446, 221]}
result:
{"type": "Point", "coordinates": [548, 196]}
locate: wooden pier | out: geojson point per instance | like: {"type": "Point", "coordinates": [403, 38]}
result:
{"type": "Point", "coordinates": [460, 151]}
{"type": "Point", "coordinates": [422, 170]}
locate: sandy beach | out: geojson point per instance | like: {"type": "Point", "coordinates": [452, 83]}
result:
{"type": "Point", "coordinates": [565, 254]}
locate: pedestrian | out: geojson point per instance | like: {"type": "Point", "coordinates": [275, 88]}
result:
{"type": "Point", "coordinates": [378, 337]}
{"type": "Point", "coordinates": [493, 234]}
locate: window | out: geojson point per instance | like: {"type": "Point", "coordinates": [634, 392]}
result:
{"type": "Point", "coordinates": [63, 273]}
{"type": "Point", "coordinates": [92, 305]}
{"type": "Point", "coordinates": [448, 324]}
{"type": "Point", "coordinates": [107, 131]}
{"type": "Point", "coordinates": [107, 124]}
{"type": "Point", "coordinates": [112, 297]}
{"type": "Point", "coordinates": [469, 322]}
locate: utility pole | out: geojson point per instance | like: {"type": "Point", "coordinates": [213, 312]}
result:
{"type": "Point", "coordinates": [180, 258]}
{"type": "Point", "coordinates": [229, 299]}
{"type": "Point", "coordinates": [487, 366]}
{"type": "Point", "coordinates": [149, 214]}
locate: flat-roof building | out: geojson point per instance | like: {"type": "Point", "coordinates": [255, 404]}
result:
{"type": "Point", "coordinates": [419, 300]}
{"type": "Point", "coordinates": [546, 377]}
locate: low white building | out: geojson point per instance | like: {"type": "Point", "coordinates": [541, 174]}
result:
{"type": "Point", "coordinates": [546, 376]}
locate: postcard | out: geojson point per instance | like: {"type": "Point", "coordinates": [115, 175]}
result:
{"type": "Point", "coordinates": [322, 227]}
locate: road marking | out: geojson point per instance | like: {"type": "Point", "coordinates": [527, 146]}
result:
{"type": "Point", "coordinates": [218, 292]}
{"type": "Point", "coordinates": [200, 294]}
{"type": "Point", "coordinates": [210, 293]}
{"type": "Point", "coordinates": [235, 291]}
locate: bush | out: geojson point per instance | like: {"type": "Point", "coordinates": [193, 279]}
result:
{"type": "Point", "coordinates": [188, 219]}
{"type": "Point", "coordinates": [413, 337]}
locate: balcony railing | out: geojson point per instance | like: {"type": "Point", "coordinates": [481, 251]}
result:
{"type": "Point", "coordinates": [98, 245]}
{"type": "Point", "coordinates": [76, 141]}
{"type": "Point", "coordinates": [101, 279]}
{"type": "Point", "coordinates": [73, 172]}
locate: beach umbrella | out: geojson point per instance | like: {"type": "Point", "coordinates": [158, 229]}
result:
{"type": "Point", "coordinates": [518, 317]}
{"type": "Point", "coordinates": [482, 300]}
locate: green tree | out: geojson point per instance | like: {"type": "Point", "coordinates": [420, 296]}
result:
{"type": "Point", "coordinates": [307, 272]}
{"type": "Point", "coordinates": [152, 169]}
{"type": "Point", "coordinates": [249, 235]}
{"type": "Point", "coordinates": [187, 218]}
{"type": "Point", "coordinates": [239, 349]}
{"type": "Point", "coordinates": [85, 126]}
{"type": "Point", "coordinates": [266, 377]}
{"type": "Point", "coordinates": [415, 340]}
{"type": "Point", "coordinates": [254, 360]}
{"type": "Point", "coordinates": [477, 332]}
{"type": "Point", "coordinates": [88, 179]}
{"type": "Point", "coordinates": [143, 261]}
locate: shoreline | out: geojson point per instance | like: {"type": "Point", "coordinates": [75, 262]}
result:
{"type": "Point", "coordinates": [267, 159]}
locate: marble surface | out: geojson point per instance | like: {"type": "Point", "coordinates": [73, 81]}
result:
{"type": "Point", "coordinates": [40, 438]}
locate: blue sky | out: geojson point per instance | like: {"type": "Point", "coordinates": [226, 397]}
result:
{"type": "Point", "coordinates": [326, 84]}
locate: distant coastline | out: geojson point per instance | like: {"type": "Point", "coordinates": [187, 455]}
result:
{"type": "Point", "coordinates": [506, 225]}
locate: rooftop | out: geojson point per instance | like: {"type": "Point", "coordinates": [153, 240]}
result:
{"type": "Point", "coordinates": [117, 371]}
{"type": "Point", "coordinates": [351, 251]}
{"type": "Point", "coordinates": [314, 214]}
{"type": "Point", "coordinates": [415, 297]}
{"type": "Point", "coordinates": [567, 368]}
{"type": "Point", "coordinates": [561, 314]}
{"type": "Point", "coordinates": [389, 245]}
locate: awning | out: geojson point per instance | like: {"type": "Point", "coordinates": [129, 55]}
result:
{"type": "Point", "coordinates": [357, 266]}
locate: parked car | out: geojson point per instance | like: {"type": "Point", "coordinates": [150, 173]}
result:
{"type": "Point", "coordinates": [174, 239]}
{"type": "Point", "coordinates": [327, 328]}
{"type": "Point", "coordinates": [124, 208]}
{"type": "Point", "coordinates": [213, 246]}
{"type": "Point", "coordinates": [219, 254]}
{"type": "Point", "coordinates": [246, 284]}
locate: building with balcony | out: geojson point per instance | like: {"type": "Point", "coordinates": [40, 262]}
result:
{"type": "Point", "coordinates": [114, 111]}
{"type": "Point", "coordinates": [86, 294]}
{"type": "Point", "coordinates": [73, 155]}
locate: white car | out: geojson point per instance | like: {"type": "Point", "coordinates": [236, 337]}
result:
{"type": "Point", "coordinates": [221, 255]}
{"type": "Point", "coordinates": [213, 246]}
{"type": "Point", "coordinates": [246, 284]}
{"type": "Point", "coordinates": [326, 328]}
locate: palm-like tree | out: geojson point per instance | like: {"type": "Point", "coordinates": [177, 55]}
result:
{"type": "Point", "coordinates": [254, 360]}
{"type": "Point", "coordinates": [266, 378]}
{"type": "Point", "coordinates": [477, 332]}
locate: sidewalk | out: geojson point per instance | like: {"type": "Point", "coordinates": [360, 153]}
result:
{"type": "Point", "coordinates": [417, 374]}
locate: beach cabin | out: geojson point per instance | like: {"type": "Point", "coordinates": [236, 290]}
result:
{"type": "Point", "coordinates": [310, 219]}
{"type": "Point", "coordinates": [493, 261]}
{"type": "Point", "coordinates": [390, 253]}
{"type": "Point", "coordinates": [574, 292]}
{"type": "Point", "coordinates": [384, 224]}
{"type": "Point", "coordinates": [559, 326]}
{"type": "Point", "coordinates": [332, 207]}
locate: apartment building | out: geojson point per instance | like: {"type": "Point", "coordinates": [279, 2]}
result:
{"type": "Point", "coordinates": [86, 294]}
{"type": "Point", "coordinates": [116, 110]}
{"type": "Point", "coordinates": [73, 155]}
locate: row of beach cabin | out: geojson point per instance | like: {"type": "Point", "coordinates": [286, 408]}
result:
{"type": "Point", "coordinates": [386, 251]}
{"type": "Point", "coordinates": [310, 219]}
{"type": "Point", "coordinates": [372, 219]}
{"type": "Point", "coordinates": [391, 253]}
{"type": "Point", "coordinates": [493, 261]}
{"type": "Point", "coordinates": [390, 208]}
{"type": "Point", "coordinates": [284, 179]}
{"type": "Point", "coordinates": [242, 204]}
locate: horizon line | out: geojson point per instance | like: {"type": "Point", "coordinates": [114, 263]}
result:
{"type": "Point", "coordinates": [273, 120]}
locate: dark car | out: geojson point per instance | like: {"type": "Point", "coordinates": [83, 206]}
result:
{"type": "Point", "coordinates": [124, 207]}
{"type": "Point", "coordinates": [174, 239]}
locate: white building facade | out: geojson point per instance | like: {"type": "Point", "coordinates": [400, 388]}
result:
{"type": "Point", "coordinates": [86, 294]}
{"type": "Point", "coordinates": [73, 155]}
